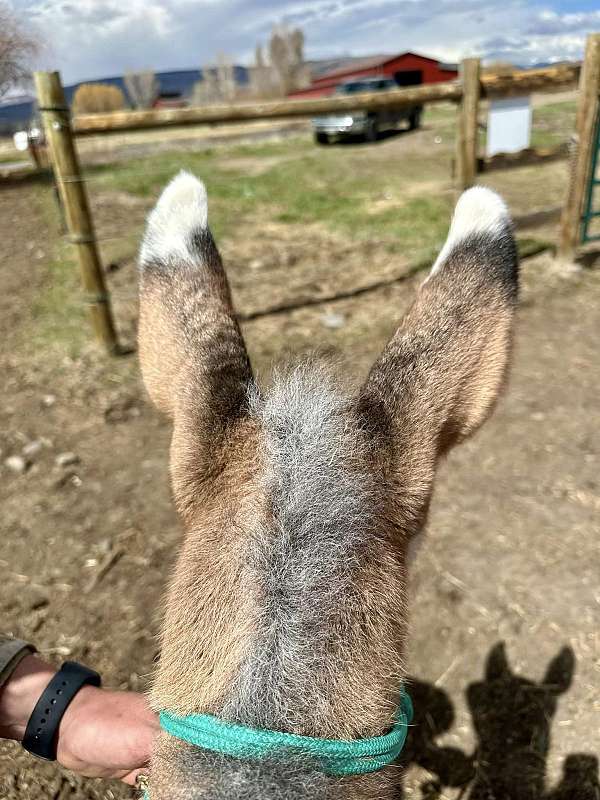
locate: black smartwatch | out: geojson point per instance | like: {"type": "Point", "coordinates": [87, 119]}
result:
{"type": "Point", "coordinates": [40, 733]}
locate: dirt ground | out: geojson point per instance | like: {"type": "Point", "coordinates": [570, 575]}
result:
{"type": "Point", "coordinates": [504, 647]}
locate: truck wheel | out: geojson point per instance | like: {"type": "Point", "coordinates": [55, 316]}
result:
{"type": "Point", "coordinates": [414, 121]}
{"type": "Point", "coordinates": [321, 138]}
{"type": "Point", "coordinates": [372, 130]}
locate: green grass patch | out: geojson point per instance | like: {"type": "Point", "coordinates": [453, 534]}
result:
{"type": "Point", "coordinates": [417, 226]}
{"type": "Point", "coordinates": [441, 118]}
{"type": "Point", "coordinates": [13, 158]}
{"type": "Point", "coordinates": [59, 311]}
{"type": "Point", "coordinates": [557, 110]}
{"type": "Point", "coordinates": [298, 183]}
{"type": "Point", "coordinates": [397, 197]}
{"type": "Point", "coordinates": [553, 123]}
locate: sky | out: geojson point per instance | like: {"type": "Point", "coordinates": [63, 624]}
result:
{"type": "Point", "coordinates": [87, 39]}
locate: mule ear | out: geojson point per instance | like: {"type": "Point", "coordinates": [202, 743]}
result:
{"type": "Point", "coordinates": [439, 376]}
{"type": "Point", "coordinates": [560, 671]}
{"type": "Point", "coordinates": [193, 357]}
{"type": "Point", "coordinates": [497, 666]}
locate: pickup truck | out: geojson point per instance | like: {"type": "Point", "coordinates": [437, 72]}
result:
{"type": "Point", "coordinates": [366, 124]}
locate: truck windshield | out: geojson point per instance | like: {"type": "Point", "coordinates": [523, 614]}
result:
{"type": "Point", "coordinates": [364, 86]}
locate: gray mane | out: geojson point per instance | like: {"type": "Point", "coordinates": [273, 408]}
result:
{"type": "Point", "coordinates": [321, 506]}
{"type": "Point", "coordinates": [320, 510]}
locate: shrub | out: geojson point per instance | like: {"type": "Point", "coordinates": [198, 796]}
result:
{"type": "Point", "coordinates": [91, 97]}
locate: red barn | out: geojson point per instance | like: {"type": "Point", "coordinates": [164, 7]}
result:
{"type": "Point", "coordinates": [407, 69]}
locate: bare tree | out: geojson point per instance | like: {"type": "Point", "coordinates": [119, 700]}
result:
{"type": "Point", "coordinates": [218, 83]}
{"type": "Point", "coordinates": [17, 48]}
{"type": "Point", "coordinates": [259, 58]}
{"type": "Point", "coordinates": [226, 78]}
{"type": "Point", "coordinates": [206, 90]}
{"type": "Point", "coordinates": [279, 57]}
{"type": "Point", "coordinates": [264, 82]}
{"type": "Point", "coordinates": [296, 46]}
{"type": "Point", "coordinates": [142, 87]}
{"type": "Point", "coordinates": [286, 53]}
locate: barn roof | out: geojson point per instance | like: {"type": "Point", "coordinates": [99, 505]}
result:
{"type": "Point", "coordinates": [375, 61]}
{"type": "Point", "coordinates": [325, 66]}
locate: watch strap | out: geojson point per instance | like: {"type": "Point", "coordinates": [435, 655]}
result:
{"type": "Point", "coordinates": [12, 652]}
{"type": "Point", "coordinates": [41, 730]}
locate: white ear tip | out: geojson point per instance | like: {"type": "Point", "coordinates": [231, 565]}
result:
{"type": "Point", "coordinates": [480, 209]}
{"type": "Point", "coordinates": [185, 193]}
{"type": "Point", "coordinates": [181, 210]}
{"type": "Point", "coordinates": [479, 212]}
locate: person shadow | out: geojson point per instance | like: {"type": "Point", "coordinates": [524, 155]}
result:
{"type": "Point", "coordinates": [512, 719]}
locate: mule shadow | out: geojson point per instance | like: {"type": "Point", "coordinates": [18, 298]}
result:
{"type": "Point", "coordinates": [512, 719]}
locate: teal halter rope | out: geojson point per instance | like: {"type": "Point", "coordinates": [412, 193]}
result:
{"type": "Point", "coordinates": [335, 756]}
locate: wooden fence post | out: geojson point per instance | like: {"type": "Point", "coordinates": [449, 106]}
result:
{"type": "Point", "coordinates": [34, 152]}
{"type": "Point", "coordinates": [588, 106]}
{"type": "Point", "coordinates": [466, 133]}
{"type": "Point", "coordinates": [65, 163]}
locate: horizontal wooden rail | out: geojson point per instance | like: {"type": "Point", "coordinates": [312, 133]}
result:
{"type": "Point", "coordinates": [563, 76]}
{"type": "Point", "coordinates": [239, 112]}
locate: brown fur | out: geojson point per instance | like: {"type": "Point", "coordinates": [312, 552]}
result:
{"type": "Point", "coordinates": [434, 384]}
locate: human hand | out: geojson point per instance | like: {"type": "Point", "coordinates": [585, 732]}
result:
{"type": "Point", "coordinates": [103, 734]}
{"type": "Point", "coordinates": [106, 734]}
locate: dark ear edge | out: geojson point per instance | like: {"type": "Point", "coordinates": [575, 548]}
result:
{"type": "Point", "coordinates": [441, 373]}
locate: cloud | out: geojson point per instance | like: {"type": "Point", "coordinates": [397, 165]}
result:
{"type": "Point", "coordinates": [546, 36]}
{"type": "Point", "coordinates": [550, 23]}
{"type": "Point", "coordinates": [95, 38]}
{"type": "Point", "coordinates": [91, 16]}
{"type": "Point", "coordinates": [503, 44]}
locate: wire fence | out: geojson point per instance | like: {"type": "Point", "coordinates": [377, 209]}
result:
{"type": "Point", "coordinates": [104, 181]}
{"type": "Point", "coordinates": [119, 248]}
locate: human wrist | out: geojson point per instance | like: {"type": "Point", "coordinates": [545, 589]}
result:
{"type": "Point", "coordinates": [81, 712]}
{"type": "Point", "coordinates": [19, 695]}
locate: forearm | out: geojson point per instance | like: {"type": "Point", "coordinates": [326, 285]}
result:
{"type": "Point", "coordinates": [100, 734]}
{"type": "Point", "coordinates": [20, 693]}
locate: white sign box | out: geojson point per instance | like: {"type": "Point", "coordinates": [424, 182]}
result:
{"type": "Point", "coordinates": [509, 125]}
{"type": "Point", "coordinates": [21, 140]}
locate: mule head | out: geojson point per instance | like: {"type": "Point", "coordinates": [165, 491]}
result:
{"type": "Point", "coordinates": [287, 606]}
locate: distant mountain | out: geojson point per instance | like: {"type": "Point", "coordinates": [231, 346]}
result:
{"type": "Point", "coordinates": [16, 113]}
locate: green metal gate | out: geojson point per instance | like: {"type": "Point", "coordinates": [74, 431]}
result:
{"type": "Point", "coordinates": [589, 213]}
